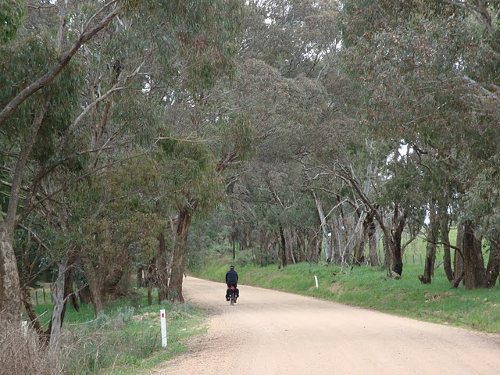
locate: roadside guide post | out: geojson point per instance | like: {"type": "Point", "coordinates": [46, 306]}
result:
{"type": "Point", "coordinates": [163, 323]}
{"type": "Point", "coordinates": [24, 327]}
{"type": "Point", "coordinates": [316, 281]}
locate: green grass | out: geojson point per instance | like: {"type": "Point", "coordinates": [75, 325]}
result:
{"type": "Point", "coordinates": [370, 288]}
{"type": "Point", "coordinates": [124, 340]}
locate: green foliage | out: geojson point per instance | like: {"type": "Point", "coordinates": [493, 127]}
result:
{"type": "Point", "coordinates": [12, 14]}
{"type": "Point", "coordinates": [235, 134]}
{"type": "Point", "coordinates": [116, 212]}
{"type": "Point", "coordinates": [190, 172]}
{"type": "Point", "coordinates": [196, 41]}
{"type": "Point", "coordinates": [290, 35]}
{"type": "Point", "coordinates": [25, 61]}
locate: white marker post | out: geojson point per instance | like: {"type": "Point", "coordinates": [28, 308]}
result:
{"type": "Point", "coordinates": [24, 327]}
{"type": "Point", "coordinates": [316, 281]}
{"type": "Point", "coordinates": [163, 323]}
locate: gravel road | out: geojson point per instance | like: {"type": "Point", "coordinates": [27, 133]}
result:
{"type": "Point", "coordinates": [274, 333]}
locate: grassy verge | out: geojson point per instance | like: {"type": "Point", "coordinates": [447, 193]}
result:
{"type": "Point", "coordinates": [370, 288]}
{"type": "Point", "coordinates": [124, 340]}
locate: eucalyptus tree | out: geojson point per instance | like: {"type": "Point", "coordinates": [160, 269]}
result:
{"type": "Point", "coordinates": [277, 109]}
{"type": "Point", "coordinates": [293, 36]}
{"type": "Point", "coordinates": [110, 114]}
{"type": "Point", "coordinates": [70, 144]}
{"type": "Point", "coordinates": [283, 48]}
{"type": "Point", "coordinates": [204, 54]}
{"type": "Point", "coordinates": [23, 60]}
{"type": "Point", "coordinates": [424, 84]}
{"type": "Point", "coordinates": [312, 40]}
{"type": "Point", "coordinates": [12, 13]}
{"type": "Point", "coordinates": [117, 225]}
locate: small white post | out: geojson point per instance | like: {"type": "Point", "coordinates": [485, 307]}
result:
{"type": "Point", "coordinates": [316, 281]}
{"type": "Point", "coordinates": [24, 327]}
{"type": "Point", "coordinates": [163, 323]}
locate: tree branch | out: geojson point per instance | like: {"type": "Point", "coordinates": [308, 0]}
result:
{"type": "Point", "coordinates": [116, 87]}
{"type": "Point", "coordinates": [79, 178]}
{"type": "Point", "coordinates": [481, 88]}
{"type": "Point", "coordinates": [61, 64]}
{"type": "Point", "coordinates": [10, 219]}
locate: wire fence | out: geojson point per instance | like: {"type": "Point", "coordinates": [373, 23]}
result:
{"type": "Point", "coordinates": [41, 296]}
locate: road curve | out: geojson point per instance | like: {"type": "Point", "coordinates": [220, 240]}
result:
{"type": "Point", "coordinates": [274, 333]}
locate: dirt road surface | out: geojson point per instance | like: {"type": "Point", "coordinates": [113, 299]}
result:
{"type": "Point", "coordinates": [274, 333]}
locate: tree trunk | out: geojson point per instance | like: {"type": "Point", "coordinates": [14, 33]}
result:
{"type": "Point", "coordinates": [140, 277]}
{"type": "Point", "coordinates": [359, 253]}
{"type": "Point", "coordinates": [325, 230]}
{"type": "Point", "coordinates": [344, 235]}
{"type": "Point", "coordinates": [398, 224]}
{"type": "Point", "coordinates": [57, 310]}
{"type": "Point", "coordinates": [10, 291]}
{"type": "Point", "coordinates": [95, 285]}
{"type": "Point", "coordinates": [474, 271]}
{"type": "Point", "coordinates": [113, 279]}
{"type": "Point", "coordinates": [52, 335]}
{"type": "Point", "coordinates": [30, 310]}
{"type": "Point", "coordinates": [178, 256]}
{"type": "Point", "coordinates": [69, 294]}
{"type": "Point", "coordinates": [161, 269]}
{"type": "Point", "coordinates": [291, 244]}
{"type": "Point", "coordinates": [150, 295]}
{"type": "Point", "coordinates": [359, 237]}
{"type": "Point", "coordinates": [371, 232]}
{"type": "Point", "coordinates": [458, 260]}
{"type": "Point", "coordinates": [493, 268]}
{"type": "Point", "coordinates": [445, 238]}
{"type": "Point", "coordinates": [387, 252]}
{"type": "Point", "coordinates": [397, 258]}
{"type": "Point", "coordinates": [282, 248]}
{"type": "Point", "coordinates": [335, 240]}
{"type": "Point", "coordinates": [430, 256]}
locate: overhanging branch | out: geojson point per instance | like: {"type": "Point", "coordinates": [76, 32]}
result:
{"type": "Point", "coordinates": [56, 69]}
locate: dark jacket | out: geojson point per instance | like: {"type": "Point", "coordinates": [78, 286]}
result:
{"type": "Point", "coordinates": [231, 277]}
